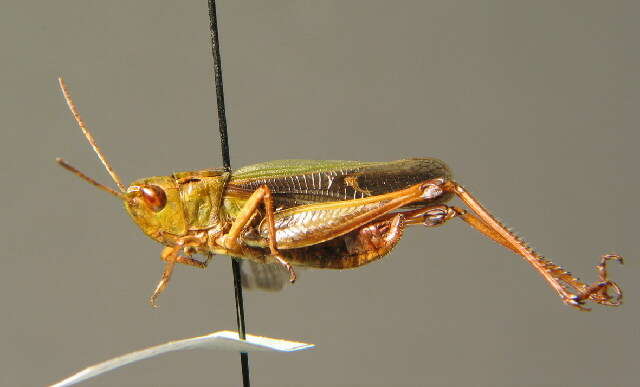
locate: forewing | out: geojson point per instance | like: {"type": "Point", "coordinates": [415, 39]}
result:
{"type": "Point", "coordinates": [299, 182]}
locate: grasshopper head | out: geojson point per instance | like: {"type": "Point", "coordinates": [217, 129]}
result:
{"type": "Point", "coordinates": [154, 205]}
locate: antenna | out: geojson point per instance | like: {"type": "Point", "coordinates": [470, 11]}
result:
{"type": "Point", "coordinates": [89, 180]}
{"type": "Point", "coordinates": [92, 141]}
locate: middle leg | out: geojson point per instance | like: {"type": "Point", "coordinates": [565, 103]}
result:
{"type": "Point", "coordinates": [230, 240]}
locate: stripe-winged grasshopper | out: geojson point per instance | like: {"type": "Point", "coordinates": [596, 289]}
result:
{"type": "Point", "coordinates": [321, 214]}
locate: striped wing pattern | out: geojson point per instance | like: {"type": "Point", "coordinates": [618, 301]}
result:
{"type": "Point", "coordinates": [299, 182]}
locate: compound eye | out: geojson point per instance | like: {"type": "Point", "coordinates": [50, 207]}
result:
{"type": "Point", "coordinates": [154, 197]}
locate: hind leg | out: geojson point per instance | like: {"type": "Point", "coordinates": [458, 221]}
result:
{"type": "Point", "coordinates": [370, 242]}
{"type": "Point", "coordinates": [563, 282]}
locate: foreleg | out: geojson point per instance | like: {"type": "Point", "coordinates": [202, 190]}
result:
{"type": "Point", "coordinates": [171, 256]}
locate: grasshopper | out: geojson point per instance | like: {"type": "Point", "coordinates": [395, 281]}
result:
{"type": "Point", "coordinates": [320, 214]}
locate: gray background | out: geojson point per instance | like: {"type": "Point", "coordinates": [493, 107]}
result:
{"type": "Point", "coordinates": [533, 104]}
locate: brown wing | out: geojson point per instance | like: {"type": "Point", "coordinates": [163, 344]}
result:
{"type": "Point", "coordinates": [299, 182]}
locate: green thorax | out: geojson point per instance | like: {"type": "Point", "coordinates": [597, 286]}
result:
{"type": "Point", "coordinates": [201, 196]}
